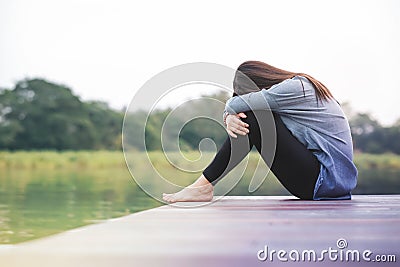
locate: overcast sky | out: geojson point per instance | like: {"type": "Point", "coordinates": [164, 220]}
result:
{"type": "Point", "coordinates": [106, 50]}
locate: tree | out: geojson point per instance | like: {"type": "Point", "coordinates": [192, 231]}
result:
{"type": "Point", "coordinates": [371, 137]}
{"type": "Point", "coordinates": [38, 114]}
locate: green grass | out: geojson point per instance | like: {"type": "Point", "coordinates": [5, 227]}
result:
{"type": "Point", "coordinates": [54, 160]}
{"type": "Point", "coordinates": [377, 173]}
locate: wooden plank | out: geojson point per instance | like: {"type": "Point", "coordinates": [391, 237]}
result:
{"type": "Point", "coordinates": [228, 232]}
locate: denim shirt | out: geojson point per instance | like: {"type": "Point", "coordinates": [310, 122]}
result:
{"type": "Point", "coordinates": [318, 124]}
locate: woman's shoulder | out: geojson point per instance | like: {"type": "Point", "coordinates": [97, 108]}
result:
{"type": "Point", "coordinates": [291, 85]}
{"type": "Point", "coordinates": [302, 80]}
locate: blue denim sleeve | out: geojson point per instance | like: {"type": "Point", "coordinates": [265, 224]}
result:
{"type": "Point", "coordinates": [286, 95]}
{"type": "Point", "coordinates": [253, 101]}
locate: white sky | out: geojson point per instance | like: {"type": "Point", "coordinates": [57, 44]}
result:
{"type": "Point", "coordinates": [106, 50]}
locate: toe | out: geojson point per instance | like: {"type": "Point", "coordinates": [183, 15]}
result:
{"type": "Point", "coordinates": [167, 198]}
{"type": "Point", "coordinates": [171, 199]}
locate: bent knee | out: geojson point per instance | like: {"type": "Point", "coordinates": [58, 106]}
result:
{"type": "Point", "coordinates": [259, 117]}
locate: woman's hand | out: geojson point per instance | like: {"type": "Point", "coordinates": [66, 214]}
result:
{"type": "Point", "coordinates": [234, 125]}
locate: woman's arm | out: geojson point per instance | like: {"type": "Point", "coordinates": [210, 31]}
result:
{"type": "Point", "coordinates": [288, 94]}
{"type": "Point", "coordinates": [251, 101]}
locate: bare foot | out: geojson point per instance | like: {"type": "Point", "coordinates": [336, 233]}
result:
{"type": "Point", "coordinates": [200, 191]}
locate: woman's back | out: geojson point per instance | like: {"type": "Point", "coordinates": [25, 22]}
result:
{"type": "Point", "coordinates": [319, 124]}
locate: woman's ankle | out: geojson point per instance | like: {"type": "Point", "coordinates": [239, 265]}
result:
{"type": "Point", "coordinates": [201, 181]}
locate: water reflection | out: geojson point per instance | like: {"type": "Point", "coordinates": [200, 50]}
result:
{"type": "Point", "coordinates": [39, 203]}
{"type": "Point", "coordinates": [36, 202]}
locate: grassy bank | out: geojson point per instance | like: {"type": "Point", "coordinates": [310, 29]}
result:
{"type": "Point", "coordinates": [53, 160]}
{"type": "Point", "coordinates": [377, 173]}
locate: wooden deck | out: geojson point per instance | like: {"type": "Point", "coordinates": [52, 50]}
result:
{"type": "Point", "coordinates": [228, 232]}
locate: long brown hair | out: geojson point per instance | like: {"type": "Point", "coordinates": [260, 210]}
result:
{"type": "Point", "coordinates": [264, 76]}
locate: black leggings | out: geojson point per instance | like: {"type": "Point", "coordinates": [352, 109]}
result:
{"type": "Point", "coordinates": [294, 165]}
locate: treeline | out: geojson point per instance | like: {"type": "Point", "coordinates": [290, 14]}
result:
{"type": "Point", "coordinates": [181, 128]}
{"type": "Point", "coordinates": [371, 137]}
{"type": "Point", "coordinates": [37, 114]}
